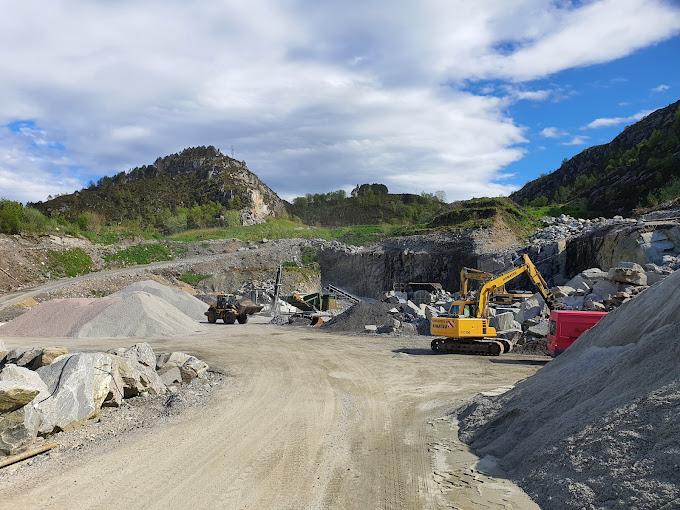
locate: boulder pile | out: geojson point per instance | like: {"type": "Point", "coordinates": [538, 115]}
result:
{"type": "Point", "coordinates": [46, 391]}
{"type": "Point", "coordinates": [566, 227]}
{"type": "Point", "coordinates": [591, 289]}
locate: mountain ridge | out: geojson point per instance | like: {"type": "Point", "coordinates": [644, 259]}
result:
{"type": "Point", "coordinates": [630, 172]}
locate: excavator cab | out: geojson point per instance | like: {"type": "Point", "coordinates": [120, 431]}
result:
{"type": "Point", "coordinates": [463, 309]}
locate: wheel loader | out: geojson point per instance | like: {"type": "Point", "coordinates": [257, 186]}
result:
{"type": "Point", "coordinates": [465, 328]}
{"type": "Point", "coordinates": [230, 310]}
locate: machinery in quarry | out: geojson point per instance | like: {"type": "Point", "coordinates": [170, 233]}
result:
{"type": "Point", "coordinates": [500, 295]}
{"type": "Point", "coordinates": [465, 328]}
{"type": "Point", "coordinates": [230, 310]}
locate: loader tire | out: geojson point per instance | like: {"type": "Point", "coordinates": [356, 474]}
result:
{"type": "Point", "coordinates": [242, 319]}
{"type": "Point", "coordinates": [229, 318]}
{"type": "Point", "coordinates": [212, 318]}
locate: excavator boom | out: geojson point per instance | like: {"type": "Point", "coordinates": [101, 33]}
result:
{"type": "Point", "coordinates": [473, 335]}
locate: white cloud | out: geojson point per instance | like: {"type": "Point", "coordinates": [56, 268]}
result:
{"type": "Point", "coordinates": [661, 88]}
{"type": "Point", "coordinates": [616, 121]}
{"type": "Point", "coordinates": [553, 132]}
{"type": "Point", "coordinates": [314, 96]}
{"type": "Point", "coordinates": [577, 140]}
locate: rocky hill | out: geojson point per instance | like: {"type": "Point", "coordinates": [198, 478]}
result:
{"type": "Point", "coordinates": [194, 177]}
{"type": "Point", "coordinates": [638, 168]}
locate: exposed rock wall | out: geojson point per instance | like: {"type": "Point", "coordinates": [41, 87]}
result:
{"type": "Point", "coordinates": [438, 258]}
{"type": "Point", "coordinates": [371, 270]}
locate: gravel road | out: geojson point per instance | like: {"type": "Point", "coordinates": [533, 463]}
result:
{"type": "Point", "coordinates": [308, 420]}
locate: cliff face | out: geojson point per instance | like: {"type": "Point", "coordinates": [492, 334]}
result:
{"type": "Point", "coordinates": [638, 168]}
{"type": "Point", "coordinates": [438, 258]}
{"type": "Point", "coordinates": [195, 176]}
{"type": "Point", "coordinates": [369, 271]}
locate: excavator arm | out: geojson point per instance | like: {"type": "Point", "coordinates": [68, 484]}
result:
{"type": "Point", "coordinates": [532, 272]}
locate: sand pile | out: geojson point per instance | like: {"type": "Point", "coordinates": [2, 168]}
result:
{"type": "Point", "coordinates": [188, 304]}
{"type": "Point", "coordinates": [359, 315]}
{"type": "Point", "coordinates": [128, 313]}
{"type": "Point", "coordinates": [599, 427]}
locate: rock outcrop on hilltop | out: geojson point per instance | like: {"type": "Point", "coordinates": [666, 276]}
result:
{"type": "Point", "coordinates": [195, 176]}
{"type": "Point", "coordinates": [638, 168]}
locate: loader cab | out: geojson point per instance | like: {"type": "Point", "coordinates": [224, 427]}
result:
{"type": "Point", "coordinates": [223, 300]}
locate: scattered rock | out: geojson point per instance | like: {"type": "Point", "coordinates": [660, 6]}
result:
{"type": "Point", "coordinates": [189, 366]}
{"type": "Point", "coordinates": [628, 272]}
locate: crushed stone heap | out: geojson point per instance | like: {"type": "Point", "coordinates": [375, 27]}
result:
{"type": "Point", "coordinates": [144, 309]}
{"type": "Point", "coordinates": [597, 427]}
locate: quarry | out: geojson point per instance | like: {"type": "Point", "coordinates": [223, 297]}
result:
{"type": "Point", "coordinates": [343, 402]}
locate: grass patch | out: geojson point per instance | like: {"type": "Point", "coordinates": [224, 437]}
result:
{"type": "Point", "coordinates": [485, 212]}
{"type": "Point", "coordinates": [140, 254]}
{"type": "Point", "coordinates": [287, 229]}
{"type": "Point", "coordinates": [193, 278]}
{"type": "Point", "coordinates": [73, 262]}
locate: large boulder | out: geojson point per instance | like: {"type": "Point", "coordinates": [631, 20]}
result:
{"type": "Point", "coordinates": [531, 307]}
{"type": "Point", "coordinates": [24, 357]}
{"type": "Point", "coordinates": [50, 354]}
{"type": "Point", "coordinates": [628, 272]}
{"type": "Point", "coordinates": [137, 378]}
{"type": "Point", "coordinates": [18, 429]}
{"type": "Point", "coordinates": [502, 321]}
{"type": "Point", "coordinates": [3, 351]}
{"type": "Point", "coordinates": [15, 395]}
{"type": "Point", "coordinates": [26, 383]}
{"type": "Point", "coordinates": [605, 289]}
{"type": "Point", "coordinates": [78, 384]}
{"type": "Point", "coordinates": [189, 366]}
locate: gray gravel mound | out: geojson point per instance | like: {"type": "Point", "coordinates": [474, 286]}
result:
{"type": "Point", "coordinates": [359, 315]}
{"type": "Point", "coordinates": [183, 301]}
{"type": "Point", "coordinates": [124, 314]}
{"type": "Point", "coordinates": [598, 427]}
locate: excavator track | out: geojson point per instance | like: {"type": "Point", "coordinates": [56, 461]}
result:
{"type": "Point", "coordinates": [486, 347]}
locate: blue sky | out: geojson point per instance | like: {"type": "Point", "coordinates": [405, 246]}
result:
{"type": "Point", "coordinates": [472, 98]}
{"type": "Point", "coordinates": [646, 80]}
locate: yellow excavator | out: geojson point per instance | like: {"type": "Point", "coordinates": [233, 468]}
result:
{"type": "Point", "coordinates": [500, 295]}
{"type": "Point", "coordinates": [465, 329]}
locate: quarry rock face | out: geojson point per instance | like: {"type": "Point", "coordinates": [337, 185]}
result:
{"type": "Point", "coordinates": [369, 271]}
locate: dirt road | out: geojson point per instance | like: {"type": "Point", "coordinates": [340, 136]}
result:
{"type": "Point", "coordinates": [308, 420]}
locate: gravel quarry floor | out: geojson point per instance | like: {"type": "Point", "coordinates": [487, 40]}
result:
{"type": "Point", "coordinates": [307, 419]}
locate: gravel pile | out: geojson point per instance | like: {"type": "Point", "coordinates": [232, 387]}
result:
{"type": "Point", "coordinates": [128, 313]}
{"type": "Point", "coordinates": [359, 315]}
{"type": "Point", "coordinates": [186, 303]}
{"type": "Point", "coordinates": [597, 427]}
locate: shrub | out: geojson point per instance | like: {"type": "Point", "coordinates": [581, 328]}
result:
{"type": "Point", "coordinates": [140, 254]}
{"type": "Point", "coordinates": [71, 262]}
{"type": "Point", "coordinates": [193, 278]}
{"type": "Point", "coordinates": [11, 217]}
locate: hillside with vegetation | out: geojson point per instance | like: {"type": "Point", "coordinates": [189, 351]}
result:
{"type": "Point", "coordinates": [367, 204]}
{"type": "Point", "coordinates": [639, 168]}
{"type": "Point", "coordinates": [198, 187]}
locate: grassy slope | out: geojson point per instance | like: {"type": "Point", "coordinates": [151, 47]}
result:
{"type": "Point", "coordinates": [287, 229]}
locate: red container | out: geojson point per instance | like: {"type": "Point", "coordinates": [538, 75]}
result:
{"type": "Point", "coordinates": [567, 325]}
